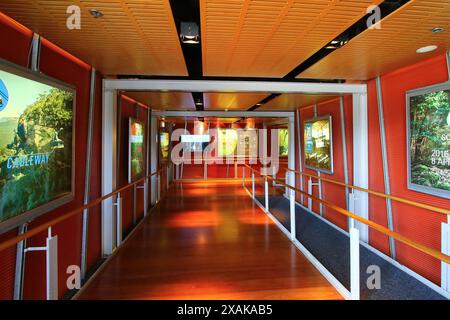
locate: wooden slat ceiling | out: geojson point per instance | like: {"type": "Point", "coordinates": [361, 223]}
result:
{"type": "Point", "coordinates": [164, 100]}
{"type": "Point", "coordinates": [231, 101]}
{"type": "Point", "coordinates": [269, 38]}
{"type": "Point", "coordinates": [376, 52]}
{"type": "Point", "coordinates": [133, 37]}
{"type": "Point", "coordinates": [294, 101]}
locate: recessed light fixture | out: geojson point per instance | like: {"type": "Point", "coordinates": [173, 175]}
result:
{"type": "Point", "coordinates": [189, 33]}
{"type": "Point", "coordinates": [427, 49]}
{"type": "Point", "coordinates": [96, 13]}
{"type": "Point", "coordinates": [437, 30]}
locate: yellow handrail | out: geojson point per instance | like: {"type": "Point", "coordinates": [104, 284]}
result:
{"type": "Point", "coordinates": [375, 193]}
{"type": "Point", "coordinates": [12, 241]}
{"type": "Point", "coordinates": [432, 252]}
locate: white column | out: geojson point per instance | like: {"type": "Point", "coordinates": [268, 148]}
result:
{"type": "Point", "coordinates": [291, 150]}
{"type": "Point", "coordinates": [360, 161]}
{"type": "Point", "coordinates": [109, 155]}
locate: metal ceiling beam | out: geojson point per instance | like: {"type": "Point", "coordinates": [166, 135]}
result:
{"type": "Point", "coordinates": [233, 86]}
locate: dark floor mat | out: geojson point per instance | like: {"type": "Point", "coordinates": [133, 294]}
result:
{"type": "Point", "coordinates": [331, 248]}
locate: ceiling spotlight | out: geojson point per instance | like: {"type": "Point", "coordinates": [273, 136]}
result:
{"type": "Point", "coordinates": [437, 30]}
{"type": "Point", "coordinates": [427, 49]}
{"type": "Point", "coordinates": [189, 33]}
{"type": "Point", "coordinates": [336, 44]}
{"type": "Point", "coordinates": [96, 13]}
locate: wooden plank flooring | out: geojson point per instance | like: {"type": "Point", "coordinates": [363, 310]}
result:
{"type": "Point", "coordinates": [207, 240]}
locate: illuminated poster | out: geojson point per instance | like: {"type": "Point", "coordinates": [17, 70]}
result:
{"type": "Point", "coordinates": [136, 151]}
{"type": "Point", "coordinates": [429, 140]}
{"type": "Point", "coordinates": [247, 143]}
{"type": "Point", "coordinates": [228, 140]}
{"type": "Point", "coordinates": [318, 144]}
{"type": "Point", "coordinates": [36, 145]}
{"type": "Point", "coordinates": [164, 142]}
{"type": "Point", "coordinates": [283, 138]}
{"type": "Point", "coordinates": [238, 142]}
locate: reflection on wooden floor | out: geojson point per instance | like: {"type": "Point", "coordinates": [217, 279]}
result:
{"type": "Point", "coordinates": [207, 240]}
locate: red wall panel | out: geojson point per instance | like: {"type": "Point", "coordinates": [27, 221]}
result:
{"type": "Point", "coordinates": [60, 65]}
{"type": "Point", "coordinates": [16, 41]}
{"type": "Point", "coordinates": [331, 192]}
{"type": "Point", "coordinates": [129, 109]}
{"type": "Point", "coordinates": [377, 205]}
{"type": "Point", "coordinates": [418, 224]}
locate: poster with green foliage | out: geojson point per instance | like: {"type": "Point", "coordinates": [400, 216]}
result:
{"type": "Point", "coordinates": [318, 144]}
{"type": "Point", "coordinates": [164, 145]}
{"type": "Point", "coordinates": [136, 150]}
{"type": "Point", "coordinates": [283, 138]}
{"type": "Point", "coordinates": [429, 141]}
{"type": "Point", "coordinates": [36, 122]}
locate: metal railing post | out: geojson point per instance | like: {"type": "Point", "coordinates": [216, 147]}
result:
{"type": "Point", "coordinates": [158, 177]}
{"type": "Point", "coordinates": [354, 262]}
{"type": "Point", "coordinates": [167, 178]}
{"type": "Point", "coordinates": [310, 184]}
{"type": "Point", "coordinates": [118, 204]}
{"type": "Point", "coordinates": [253, 185]}
{"type": "Point", "coordinates": [145, 197]}
{"type": "Point", "coordinates": [445, 268]}
{"type": "Point", "coordinates": [292, 210]}
{"type": "Point", "coordinates": [266, 193]}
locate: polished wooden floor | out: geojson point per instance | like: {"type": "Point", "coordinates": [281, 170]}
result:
{"type": "Point", "coordinates": [207, 240]}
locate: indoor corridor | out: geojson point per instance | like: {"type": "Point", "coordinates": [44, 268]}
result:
{"type": "Point", "coordinates": [208, 240]}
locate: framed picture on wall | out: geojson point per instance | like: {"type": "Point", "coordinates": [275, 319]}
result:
{"type": "Point", "coordinates": [283, 140]}
{"type": "Point", "coordinates": [164, 141]}
{"type": "Point", "coordinates": [318, 144]}
{"type": "Point", "coordinates": [428, 139]}
{"type": "Point", "coordinates": [37, 140]}
{"type": "Point", "coordinates": [136, 152]}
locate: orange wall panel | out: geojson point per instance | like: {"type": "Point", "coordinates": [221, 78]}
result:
{"type": "Point", "coordinates": [421, 225]}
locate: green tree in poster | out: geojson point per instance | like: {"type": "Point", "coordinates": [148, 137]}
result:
{"type": "Point", "coordinates": [429, 117]}
{"type": "Point", "coordinates": [45, 126]}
